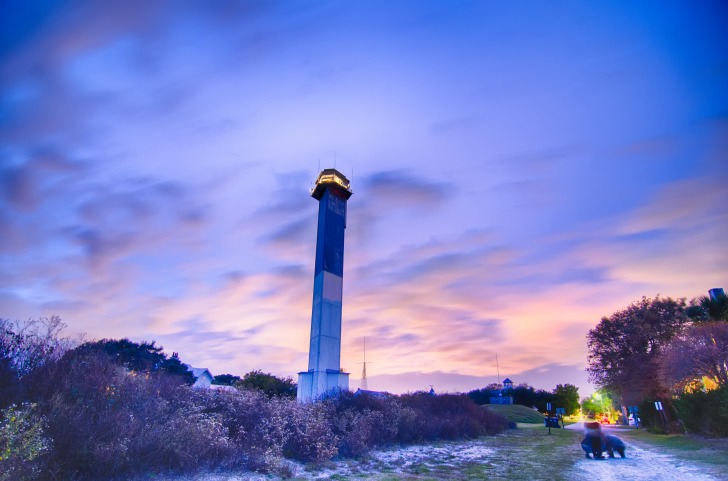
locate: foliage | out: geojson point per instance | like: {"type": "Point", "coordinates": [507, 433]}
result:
{"type": "Point", "coordinates": [590, 407]}
{"type": "Point", "coordinates": [704, 412]}
{"type": "Point", "coordinates": [226, 380]}
{"type": "Point", "coordinates": [538, 398]}
{"type": "Point", "coordinates": [624, 348]}
{"type": "Point", "coordinates": [363, 422]}
{"type": "Point", "coordinates": [526, 395]}
{"type": "Point", "coordinates": [705, 309]}
{"type": "Point", "coordinates": [23, 443]}
{"type": "Point", "coordinates": [113, 410]}
{"type": "Point", "coordinates": [567, 396]}
{"type": "Point", "coordinates": [107, 421]}
{"type": "Point", "coordinates": [483, 395]}
{"type": "Point", "coordinates": [700, 350]}
{"type": "Point", "coordinates": [140, 357]}
{"type": "Point", "coordinates": [449, 416]}
{"type": "Point", "coordinates": [600, 402]}
{"type": "Point", "coordinates": [480, 396]}
{"type": "Point", "coordinates": [25, 347]}
{"type": "Point", "coordinates": [269, 384]}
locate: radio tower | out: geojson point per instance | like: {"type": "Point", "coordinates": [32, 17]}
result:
{"type": "Point", "coordinates": [364, 384]}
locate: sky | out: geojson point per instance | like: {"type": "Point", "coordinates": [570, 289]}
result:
{"type": "Point", "coordinates": [519, 169]}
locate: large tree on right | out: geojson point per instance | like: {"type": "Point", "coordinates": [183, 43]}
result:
{"type": "Point", "coordinates": [625, 348]}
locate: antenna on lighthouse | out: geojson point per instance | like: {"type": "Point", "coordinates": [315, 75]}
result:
{"type": "Point", "coordinates": [364, 383]}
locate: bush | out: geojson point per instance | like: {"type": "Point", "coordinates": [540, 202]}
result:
{"type": "Point", "coordinates": [108, 422]}
{"type": "Point", "coordinates": [23, 443]}
{"type": "Point", "coordinates": [364, 422]}
{"type": "Point", "coordinates": [113, 410]}
{"type": "Point", "coordinates": [704, 412]}
{"type": "Point", "coordinates": [24, 348]}
{"type": "Point", "coordinates": [269, 384]}
{"type": "Point", "coordinates": [449, 416]}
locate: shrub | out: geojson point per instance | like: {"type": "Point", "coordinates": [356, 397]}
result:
{"type": "Point", "coordinates": [365, 422]}
{"type": "Point", "coordinates": [269, 384]}
{"type": "Point", "coordinates": [108, 422]}
{"type": "Point", "coordinates": [112, 410]}
{"type": "Point", "coordinates": [23, 443]}
{"type": "Point", "coordinates": [310, 434]}
{"type": "Point", "coordinates": [449, 416]}
{"type": "Point", "coordinates": [704, 412]}
{"type": "Point", "coordinates": [24, 348]}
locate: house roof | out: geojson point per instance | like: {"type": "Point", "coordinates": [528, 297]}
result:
{"type": "Point", "coordinates": [507, 380]}
{"type": "Point", "coordinates": [199, 371]}
{"type": "Point", "coordinates": [378, 394]}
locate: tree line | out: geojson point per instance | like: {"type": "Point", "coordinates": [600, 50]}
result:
{"type": "Point", "coordinates": [564, 396]}
{"type": "Point", "coordinates": [666, 350]}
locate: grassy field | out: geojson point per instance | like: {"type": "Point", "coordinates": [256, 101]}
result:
{"type": "Point", "coordinates": [527, 453]}
{"type": "Point", "coordinates": [710, 451]}
{"type": "Point", "coordinates": [516, 413]}
{"type": "Point", "coordinates": [521, 454]}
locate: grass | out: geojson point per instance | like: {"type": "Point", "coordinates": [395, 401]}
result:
{"type": "Point", "coordinates": [527, 453]}
{"type": "Point", "coordinates": [711, 451]}
{"type": "Point", "coordinates": [532, 454]}
{"type": "Point", "coordinates": [516, 413]}
{"type": "Point", "coordinates": [520, 454]}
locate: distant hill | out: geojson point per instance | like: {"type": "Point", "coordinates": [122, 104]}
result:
{"type": "Point", "coordinates": [516, 413]}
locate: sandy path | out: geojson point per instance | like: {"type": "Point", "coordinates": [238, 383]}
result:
{"type": "Point", "coordinates": [643, 463]}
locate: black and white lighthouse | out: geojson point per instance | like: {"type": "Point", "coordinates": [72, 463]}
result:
{"type": "Point", "coordinates": [324, 376]}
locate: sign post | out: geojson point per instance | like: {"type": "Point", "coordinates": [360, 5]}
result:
{"type": "Point", "coordinates": [560, 412]}
{"type": "Point", "coordinates": [663, 416]}
{"type": "Point", "coordinates": [548, 416]}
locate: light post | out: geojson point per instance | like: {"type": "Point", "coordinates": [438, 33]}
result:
{"type": "Point", "coordinates": [598, 396]}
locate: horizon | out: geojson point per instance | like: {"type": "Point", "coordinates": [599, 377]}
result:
{"type": "Point", "coordinates": [518, 173]}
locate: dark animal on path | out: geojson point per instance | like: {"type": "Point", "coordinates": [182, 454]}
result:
{"type": "Point", "coordinates": [595, 439]}
{"type": "Point", "coordinates": [610, 443]}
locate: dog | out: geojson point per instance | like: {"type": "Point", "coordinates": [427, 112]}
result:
{"type": "Point", "coordinates": [610, 444]}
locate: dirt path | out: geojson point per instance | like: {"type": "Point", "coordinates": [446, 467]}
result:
{"type": "Point", "coordinates": [643, 463]}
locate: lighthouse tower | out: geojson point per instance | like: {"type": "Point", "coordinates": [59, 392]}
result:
{"type": "Point", "coordinates": [324, 376]}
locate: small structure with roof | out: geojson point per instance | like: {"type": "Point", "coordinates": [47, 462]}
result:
{"type": "Point", "coordinates": [497, 397]}
{"type": "Point", "coordinates": [203, 377]}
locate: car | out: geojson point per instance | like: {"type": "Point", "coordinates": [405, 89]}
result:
{"type": "Point", "coordinates": [604, 420]}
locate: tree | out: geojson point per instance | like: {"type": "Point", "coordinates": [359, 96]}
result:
{"type": "Point", "coordinates": [624, 348]}
{"type": "Point", "coordinates": [524, 394]}
{"type": "Point", "coordinates": [269, 384]}
{"type": "Point", "coordinates": [24, 348]}
{"type": "Point", "coordinates": [704, 309]}
{"type": "Point", "coordinates": [226, 380]}
{"type": "Point", "coordinates": [139, 357]}
{"type": "Point", "coordinates": [600, 402]}
{"type": "Point", "coordinates": [701, 350]}
{"type": "Point", "coordinates": [567, 396]}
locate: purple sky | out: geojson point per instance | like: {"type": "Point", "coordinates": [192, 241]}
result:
{"type": "Point", "coordinates": [520, 169]}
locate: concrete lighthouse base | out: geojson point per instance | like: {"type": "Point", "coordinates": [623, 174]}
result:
{"type": "Point", "coordinates": [316, 385]}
